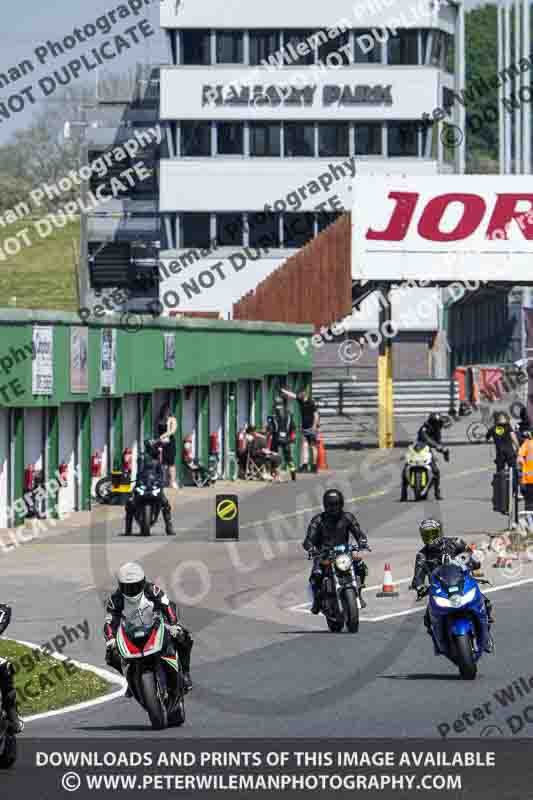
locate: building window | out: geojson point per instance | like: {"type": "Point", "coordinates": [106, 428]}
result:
{"type": "Point", "coordinates": [366, 50]}
{"type": "Point", "coordinates": [230, 47]}
{"type": "Point", "coordinates": [327, 218]}
{"type": "Point", "coordinates": [230, 139]}
{"type": "Point", "coordinates": [402, 139]}
{"type": "Point", "coordinates": [230, 230]}
{"type": "Point", "coordinates": [196, 47]}
{"type": "Point", "coordinates": [264, 230]}
{"type": "Point", "coordinates": [332, 48]}
{"type": "Point", "coordinates": [265, 139]}
{"type": "Point", "coordinates": [299, 139]}
{"type": "Point", "coordinates": [299, 49]}
{"type": "Point", "coordinates": [333, 139]}
{"type": "Point", "coordinates": [195, 138]}
{"type": "Point", "coordinates": [298, 229]}
{"type": "Point", "coordinates": [196, 230]}
{"type": "Point", "coordinates": [403, 49]}
{"type": "Point", "coordinates": [368, 139]}
{"type": "Point", "coordinates": [449, 53]}
{"type": "Point", "coordinates": [265, 45]}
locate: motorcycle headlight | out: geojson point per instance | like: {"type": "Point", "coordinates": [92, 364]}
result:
{"type": "Point", "coordinates": [156, 490]}
{"type": "Point", "coordinates": [456, 601]}
{"type": "Point", "coordinates": [343, 562]}
{"type": "Point", "coordinates": [140, 489]}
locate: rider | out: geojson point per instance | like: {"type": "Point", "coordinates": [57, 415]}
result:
{"type": "Point", "coordinates": [430, 433]}
{"type": "Point", "coordinates": [430, 557]}
{"type": "Point", "coordinates": [333, 527]}
{"type": "Point", "coordinates": [149, 462]}
{"type": "Point", "coordinates": [505, 441]}
{"type": "Point", "coordinates": [7, 684]}
{"type": "Point", "coordinates": [135, 595]}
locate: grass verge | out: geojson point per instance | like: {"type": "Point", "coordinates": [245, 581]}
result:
{"type": "Point", "coordinates": [41, 275]}
{"type": "Point", "coordinates": [46, 684]}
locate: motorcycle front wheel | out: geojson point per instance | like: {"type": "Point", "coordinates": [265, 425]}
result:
{"type": "Point", "coordinates": [152, 702]}
{"type": "Point", "coordinates": [351, 610]}
{"type": "Point", "coordinates": [146, 520]}
{"type": "Point", "coordinates": [465, 658]}
{"type": "Point", "coordinates": [417, 488]}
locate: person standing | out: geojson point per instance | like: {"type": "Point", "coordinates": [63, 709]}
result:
{"type": "Point", "coordinates": [310, 423]}
{"type": "Point", "coordinates": [525, 460]}
{"type": "Point", "coordinates": [167, 426]}
{"type": "Point", "coordinates": [282, 431]}
{"type": "Point", "coordinates": [505, 441]}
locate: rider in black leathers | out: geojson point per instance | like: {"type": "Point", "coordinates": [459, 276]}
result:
{"type": "Point", "coordinates": [429, 558]}
{"type": "Point", "coordinates": [149, 462]}
{"type": "Point", "coordinates": [332, 527]}
{"type": "Point", "coordinates": [429, 433]}
{"type": "Point", "coordinates": [7, 684]}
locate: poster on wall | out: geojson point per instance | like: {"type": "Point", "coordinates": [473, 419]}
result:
{"type": "Point", "coordinates": [108, 363]}
{"type": "Point", "coordinates": [79, 360]}
{"type": "Point", "coordinates": [170, 350]}
{"type": "Point", "coordinates": [42, 378]}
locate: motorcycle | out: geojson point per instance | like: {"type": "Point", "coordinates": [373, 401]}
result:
{"type": "Point", "coordinates": [340, 590]}
{"type": "Point", "coordinates": [155, 680]}
{"type": "Point", "coordinates": [419, 459]}
{"type": "Point", "coordinates": [147, 493]}
{"type": "Point", "coordinates": [458, 615]}
{"type": "Point", "coordinates": [8, 740]}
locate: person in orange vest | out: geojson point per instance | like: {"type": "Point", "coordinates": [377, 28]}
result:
{"type": "Point", "coordinates": [525, 461]}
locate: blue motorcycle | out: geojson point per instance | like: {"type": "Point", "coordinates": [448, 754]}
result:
{"type": "Point", "coordinates": [459, 625]}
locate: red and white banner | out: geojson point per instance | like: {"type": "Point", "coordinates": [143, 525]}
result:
{"type": "Point", "coordinates": [443, 228]}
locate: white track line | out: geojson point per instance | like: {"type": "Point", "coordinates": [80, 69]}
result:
{"type": "Point", "coordinates": [409, 611]}
{"type": "Point", "coordinates": [303, 607]}
{"type": "Point", "coordinates": [102, 673]}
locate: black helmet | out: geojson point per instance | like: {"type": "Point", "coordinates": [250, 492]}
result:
{"type": "Point", "coordinates": [131, 580]}
{"type": "Point", "coordinates": [434, 417]}
{"type": "Point", "coordinates": [430, 530]}
{"type": "Point", "coordinates": [333, 501]}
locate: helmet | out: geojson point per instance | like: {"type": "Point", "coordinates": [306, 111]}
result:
{"type": "Point", "coordinates": [131, 580]}
{"type": "Point", "coordinates": [430, 530]}
{"type": "Point", "coordinates": [333, 501]}
{"type": "Point", "coordinates": [434, 417]}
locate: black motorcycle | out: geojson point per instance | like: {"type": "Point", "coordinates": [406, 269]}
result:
{"type": "Point", "coordinates": [8, 740]}
{"type": "Point", "coordinates": [147, 499]}
{"type": "Point", "coordinates": [340, 592]}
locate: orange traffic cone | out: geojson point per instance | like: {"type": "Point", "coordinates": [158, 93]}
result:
{"type": "Point", "coordinates": [389, 589]}
{"type": "Point", "coordinates": [322, 462]}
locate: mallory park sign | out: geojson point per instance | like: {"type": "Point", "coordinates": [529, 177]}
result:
{"type": "Point", "coordinates": [306, 96]}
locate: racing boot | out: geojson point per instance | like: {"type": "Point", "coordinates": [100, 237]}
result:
{"type": "Point", "coordinates": [15, 723]}
{"type": "Point", "coordinates": [315, 587]}
{"type": "Point", "coordinates": [129, 521]}
{"type": "Point", "coordinates": [167, 516]}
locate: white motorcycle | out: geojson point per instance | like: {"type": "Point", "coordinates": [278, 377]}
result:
{"type": "Point", "coordinates": [419, 461]}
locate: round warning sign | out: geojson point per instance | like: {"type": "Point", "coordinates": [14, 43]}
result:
{"type": "Point", "coordinates": [227, 510]}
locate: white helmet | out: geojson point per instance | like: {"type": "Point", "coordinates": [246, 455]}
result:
{"type": "Point", "coordinates": [131, 580]}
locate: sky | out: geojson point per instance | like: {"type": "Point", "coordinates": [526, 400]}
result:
{"type": "Point", "coordinates": [27, 24]}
